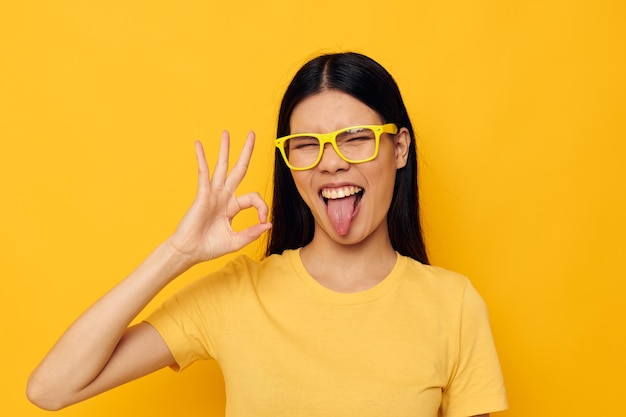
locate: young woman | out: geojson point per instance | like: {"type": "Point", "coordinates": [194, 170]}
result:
{"type": "Point", "coordinates": [344, 316]}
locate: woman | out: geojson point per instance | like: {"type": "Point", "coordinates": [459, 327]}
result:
{"type": "Point", "coordinates": [343, 317]}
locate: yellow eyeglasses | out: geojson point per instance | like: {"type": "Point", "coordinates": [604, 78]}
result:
{"type": "Point", "coordinates": [355, 145]}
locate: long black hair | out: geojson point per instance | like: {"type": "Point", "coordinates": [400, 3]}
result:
{"type": "Point", "coordinates": [367, 81]}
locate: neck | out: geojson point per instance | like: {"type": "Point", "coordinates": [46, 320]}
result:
{"type": "Point", "coordinates": [349, 267]}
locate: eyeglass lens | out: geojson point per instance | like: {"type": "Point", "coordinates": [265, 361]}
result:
{"type": "Point", "coordinates": [354, 145]}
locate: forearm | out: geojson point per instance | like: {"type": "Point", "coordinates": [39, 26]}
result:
{"type": "Point", "coordinates": [98, 351]}
{"type": "Point", "coordinates": [83, 351]}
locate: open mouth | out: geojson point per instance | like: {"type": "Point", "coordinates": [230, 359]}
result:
{"type": "Point", "coordinates": [342, 192]}
{"type": "Point", "coordinates": [342, 205]}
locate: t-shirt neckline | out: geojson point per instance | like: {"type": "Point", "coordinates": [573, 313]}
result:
{"type": "Point", "coordinates": [335, 297]}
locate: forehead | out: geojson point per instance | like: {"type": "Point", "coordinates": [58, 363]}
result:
{"type": "Point", "coordinates": [331, 110]}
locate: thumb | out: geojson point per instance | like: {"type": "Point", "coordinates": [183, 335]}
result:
{"type": "Point", "coordinates": [250, 234]}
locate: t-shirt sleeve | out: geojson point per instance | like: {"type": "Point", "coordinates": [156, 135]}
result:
{"type": "Point", "coordinates": [191, 321]}
{"type": "Point", "coordinates": [476, 386]}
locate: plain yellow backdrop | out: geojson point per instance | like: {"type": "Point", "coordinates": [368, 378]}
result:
{"type": "Point", "coordinates": [520, 112]}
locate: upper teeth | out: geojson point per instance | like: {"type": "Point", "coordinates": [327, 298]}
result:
{"type": "Point", "coordinates": [333, 193]}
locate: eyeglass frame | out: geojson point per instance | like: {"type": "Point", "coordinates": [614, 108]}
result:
{"type": "Point", "coordinates": [331, 138]}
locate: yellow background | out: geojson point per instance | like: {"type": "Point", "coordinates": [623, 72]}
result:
{"type": "Point", "coordinates": [520, 112]}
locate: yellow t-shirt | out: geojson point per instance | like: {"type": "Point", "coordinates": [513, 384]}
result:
{"type": "Point", "coordinates": [418, 344]}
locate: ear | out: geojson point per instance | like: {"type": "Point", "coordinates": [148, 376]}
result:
{"type": "Point", "coordinates": [402, 142]}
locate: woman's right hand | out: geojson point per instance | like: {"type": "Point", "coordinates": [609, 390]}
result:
{"type": "Point", "coordinates": [205, 231]}
{"type": "Point", "coordinates": [98, 351]}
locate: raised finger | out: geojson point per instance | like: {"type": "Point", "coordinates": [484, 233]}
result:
{"type": "Point", "coordinates": [203, 169]}
{"type": "Point", "coordinates": [241, 166]}
{"type": "Point", "coordinates": [221, 167]}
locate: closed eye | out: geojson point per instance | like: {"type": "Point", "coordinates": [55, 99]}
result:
{"type": "Point", "coordinates": [303, 143]}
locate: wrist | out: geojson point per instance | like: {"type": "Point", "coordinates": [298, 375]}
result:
{"type": "Point", "coordinates": [177, 258]}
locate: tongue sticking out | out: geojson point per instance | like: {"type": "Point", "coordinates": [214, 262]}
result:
{"type": "Point", "coordinates": [340, 211]}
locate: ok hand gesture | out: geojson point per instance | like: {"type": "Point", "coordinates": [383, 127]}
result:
{"type": "Point", "coordinates": [205, 231]}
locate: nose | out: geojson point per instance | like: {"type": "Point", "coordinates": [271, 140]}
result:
{"type": "Point", "coordinates": [331, 161]}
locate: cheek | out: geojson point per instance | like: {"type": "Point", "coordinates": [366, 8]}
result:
{"type": "Point", "coordinates": [301, 180]}
{"type": "Point", "coordinates": [386, 169]}
{"type": "Point", "coordinates": [383, 182]}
